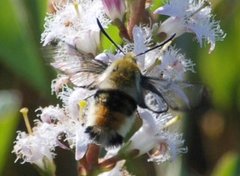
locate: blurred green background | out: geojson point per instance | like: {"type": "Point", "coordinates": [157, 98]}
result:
{"type": "Point", "coordinates": [212, 132]}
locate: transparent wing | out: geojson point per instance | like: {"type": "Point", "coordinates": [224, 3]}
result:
{"type": "Point", "coordinates": [82, 69]}
{"type": "Point", "coordinates": [154, 102]}
{"type": "Point", "coordinates": [177, 95]}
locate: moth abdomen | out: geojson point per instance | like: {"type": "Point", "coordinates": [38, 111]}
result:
{"type": "Point", "coordinates": [116, 101]}
{"type": "Point", "coordinates": [106, 137]}
{"type": "Point", "coordinates": [111, 117]}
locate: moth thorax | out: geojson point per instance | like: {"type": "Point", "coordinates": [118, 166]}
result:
{"type": "Point", "coordinates": [124, 75]}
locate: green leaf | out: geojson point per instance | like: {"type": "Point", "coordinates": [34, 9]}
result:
{"type": "Point", "coordinates": [113, 32]}
{"type": "Point", "coordinates": [20, 47]}
{"type": "Point", "coordinates": [229, 165]}
{"type": "Point", "coordinates": [220, 69]}
{"type": "Point", "coordinates": [156, 4]}
{"type": "Point", "coordinates": [9, 107]}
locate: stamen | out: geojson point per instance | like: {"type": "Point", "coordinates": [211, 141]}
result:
{"type": "Point", "coordinates": [82, 105]}
{"type": "Point", "coordinates": [172, 121]}
{"type": "Point", "coordinates": [24, 112]}
{"type": "Point", "coordinates": [75, 4]}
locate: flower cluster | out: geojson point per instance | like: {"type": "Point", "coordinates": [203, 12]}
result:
{"type": "Point", "coordinates": [74, 29]}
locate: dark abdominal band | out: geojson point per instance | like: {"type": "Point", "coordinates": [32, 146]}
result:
{"type": "Point", "coordinates": [120, 105]}
{"type": "Point", "coordinates": [116, 101]}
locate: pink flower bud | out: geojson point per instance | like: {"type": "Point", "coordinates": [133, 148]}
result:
{"type": "Point", "coordinates": [114, 8]}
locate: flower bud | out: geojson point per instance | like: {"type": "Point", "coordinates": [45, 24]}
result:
{"type": "Point", "coordinates": [172, 25]}
{"type": "Point", "coordinates": [114, 8]}
{"type": "Point", "coordinates": [88, 41]}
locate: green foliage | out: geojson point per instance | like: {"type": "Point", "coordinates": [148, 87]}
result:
{"type": "Point", "coordinates": [220, 70]}
{"type": "Point", "coordinates": [156, 4]}
{"type": "Point", "coordinates": [106, 44]}
{"type": "Point", "coordinates": [20, 47]}
{"type": "Point", "coordinates": [8, 122]}
{"type": "Point", "coordinates": [228, 165]}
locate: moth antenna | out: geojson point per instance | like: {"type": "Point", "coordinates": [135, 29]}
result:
{"type": "Point", "coordinates": [109, 38]}
{"type": "Point", "coordinates": [160, 45]}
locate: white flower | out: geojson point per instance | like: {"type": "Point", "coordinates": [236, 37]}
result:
{"type": "Point", "coordinates": [48, 133]}
{"type": "Point", "coordinates": [72, 99]}
{"type": "Point", "coordinates": [153, 136]}
{"type": "Point", "coordinates": [27, 148]}
{"type": "Point", "coordinates": [61, 25]}
{"type": "Point", "coordinates": [170, 65]}
{"type": "Point", "coordinates": [166, 62]}
{"type": "Point", "coordinates": [71, 126]}
{"type": "Point", "coordinates": [139, 38]}
{"type": "Point", "coordinates": [88, 41]}
{"type": "Point", "coordinates": [36, 147]}
{"type": "Point", "coordinates": [173, 25]}
{"type": "Point", "coordinates": [76, 137]}
{"type": "Point", "coordinates": [118, 170]}
{"type": "Point", "coordinates": [72, 102]}
{"type": "Point", "coordinates": [58, 83]}
{"type": "Point", "coordinates": [114, 8]}
{"type": "Point", "coordinates": [81, 144]}
{"type": "Point", "coordinates": [51, 114]}
{"type": "Point", "coordinates": [76, 24]}
{"type": "Point", "coordinates": [191, 16]}
{"type": "Point", "coordinates": [169, 149]}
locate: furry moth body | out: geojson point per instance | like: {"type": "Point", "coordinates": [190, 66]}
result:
{"type": "Point", "coordinates": [112, 113]}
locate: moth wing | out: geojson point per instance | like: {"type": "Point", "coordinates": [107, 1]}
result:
{"type": "Point", "coordinates": [177, 95]}
{"type": "Point", "coordinates": [82, 69]}
{"type": "Point", "coordinates": [85, 80]}
{"type": "Point", "coordinates": [153, 101]}
{"type": "Point", "coordinates": [151, 98]}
